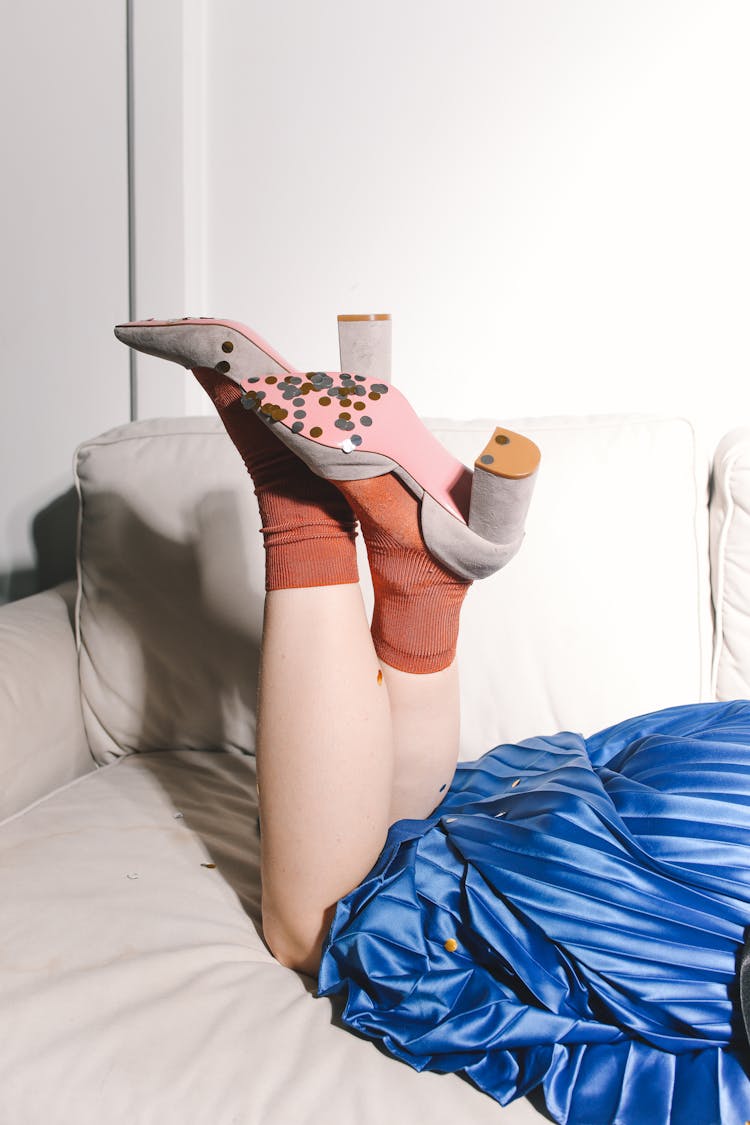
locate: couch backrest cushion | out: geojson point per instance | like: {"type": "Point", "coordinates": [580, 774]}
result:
{"type": "Point", "coordinates": [604, 613]}
{"type": "Point", "coordinates": [730, 565]}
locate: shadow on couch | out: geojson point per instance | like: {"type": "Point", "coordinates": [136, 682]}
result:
{"type": "Point", "coordinates": [156, 678]}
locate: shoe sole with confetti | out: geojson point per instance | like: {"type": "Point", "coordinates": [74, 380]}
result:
{"type": "Point", "coordinates": [349, 427]}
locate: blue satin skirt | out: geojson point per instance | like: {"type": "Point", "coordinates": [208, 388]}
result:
{"type": "Point", "coordinates": [569, 920]}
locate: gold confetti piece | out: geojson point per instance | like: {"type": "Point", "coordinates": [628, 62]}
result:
{"type": "Point", "coordinates": [516, 782]}
{"type": "Point", "coordinates": [380, 676]}
{"type": "Point", "coordinates": [208, 865]}
{"type": "Point", "coordinates": [451, 945]}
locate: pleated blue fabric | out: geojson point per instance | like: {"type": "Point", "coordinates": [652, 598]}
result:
{"type": "Point", "coordinates": [570, 918]}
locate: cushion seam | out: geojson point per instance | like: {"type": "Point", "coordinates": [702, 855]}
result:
{"type": "Point", "coordinates": [61, 789]}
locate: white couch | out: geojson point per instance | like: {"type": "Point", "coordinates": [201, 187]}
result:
{"type": "Point", "coordinates": [135, 988]}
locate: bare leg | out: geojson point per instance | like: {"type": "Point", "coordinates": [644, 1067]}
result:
{"type": "Point", "coordinates": [325, 762]}
{"type": "Point", "coordinates": [342, 753]}
{"type": "Point", "coordinates": [343, 748]}
{"type": "Point", "coordinates": [425, 716]}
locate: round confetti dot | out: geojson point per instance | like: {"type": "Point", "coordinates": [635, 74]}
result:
{"type": "Point", "coordinates": [222, 367]}
{"type": "Point", "coordinates": [300, 414]}
{"type": "Point", "coordinates": [293, 379]}
{"type": "Point", "coordinates": [360, 378]}
{"type": "Point", "coordinates": [502, 439]}
{"type": "Point", "coordinates": [366, 420]}
{"type": "Point", "coordinates": [306, 388]}
{"type": "Point", "coordinates": [451, 945]}
{"type": "Point", "coordinates": [379, 388]}
{"type": "Point", "coordinates": [315, 431]}
{"type": "Point", "coordinates": [296, 427]}
{"type": "Point", "coordinates": [487, 459]}
{"type": "Point", "coordinates": [227, 346]}
{"type": "Point", "coordinates": [356, 439]}
{"type": "Point", "coordinates": [271, 379]}
{"type": "Point", "coordinates": [254, 379]}
{"type": "Point", "coordinates": [374, 396]}
{"type": "Point", "coordinates": [345, 401]}
{"type": "Point", "coordinates": [324, 400]}
{"type": "Point", "coordinates": [360, 406]}
{"type": "Point", "coordinates": [298, 402]}
{"type": "Point", "coordinates": [345, 415]}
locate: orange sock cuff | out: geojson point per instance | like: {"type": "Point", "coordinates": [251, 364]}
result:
{"type": "Point", "coordinates": [308, 528]}
{"type": "Point", "coordinates": [309, 541]}
{"type": "Point", "coordinates": [417, 600]}
{"type": "Point", "coordinates": [416, 630]}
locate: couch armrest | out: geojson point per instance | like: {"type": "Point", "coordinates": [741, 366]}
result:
{"type": "Point", "coordinates": [42, 740]}
{"type": "Point", "coordinates": [730, 565]}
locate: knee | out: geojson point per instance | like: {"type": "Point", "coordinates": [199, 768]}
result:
{"type": "Point", "coordinates": [294, 946]}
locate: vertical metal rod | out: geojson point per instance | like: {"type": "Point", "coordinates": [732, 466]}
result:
{"type": "Point", "coordinates": [130, 99]}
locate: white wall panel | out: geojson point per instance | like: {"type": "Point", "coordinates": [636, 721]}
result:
{"type": "Point", "coordinates": [64, 279]}
{"type": "Point", "coordinates": [168, 113]}
{"type": "Point", "coordinates": [550, 198]}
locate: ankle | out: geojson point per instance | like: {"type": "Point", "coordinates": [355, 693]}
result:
{"type": "Point", "coordinates": [417, 600]}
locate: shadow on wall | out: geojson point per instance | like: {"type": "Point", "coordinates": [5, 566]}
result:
{"type": "Point", "coordinates": [53, 532]}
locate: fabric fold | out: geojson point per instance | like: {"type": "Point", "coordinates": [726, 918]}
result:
{"type": "Point", "coordinates": [569, 918]}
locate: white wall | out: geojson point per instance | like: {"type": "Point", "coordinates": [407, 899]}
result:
{"type": "Point", "coordinates": [550, 198]}
{"type": "Point", "coordinates": [64, 278]}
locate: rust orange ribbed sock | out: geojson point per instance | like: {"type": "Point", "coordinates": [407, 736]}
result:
{"type": "Point", "coordinates": [308, 527]}
{"type": "Point", "coordinates": [417, 601]}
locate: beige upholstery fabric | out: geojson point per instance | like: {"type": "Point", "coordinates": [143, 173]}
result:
{"type": "Point", "coordinates": [604, 613]}
{"type": "Point", "coordinates": [171, 567]}
{"type": "Point", "coordinates": [42, 740]}
{"type": "Point", "coordinates": [730, 563]}
{"type": "Point", "coordinates": [135, 988]}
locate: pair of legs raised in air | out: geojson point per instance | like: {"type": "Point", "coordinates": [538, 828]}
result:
{"type": "Point", "coordinates": [358, 724]}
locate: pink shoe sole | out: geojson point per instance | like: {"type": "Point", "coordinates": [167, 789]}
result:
{"type": "Point", "coordinates": [349, 427]}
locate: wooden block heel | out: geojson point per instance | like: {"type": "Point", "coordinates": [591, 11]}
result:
{"type": "Point", "coordinates": [509, 455]}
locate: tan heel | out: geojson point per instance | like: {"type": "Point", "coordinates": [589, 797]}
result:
{"type": "Point", "coordinates": [510, 455]}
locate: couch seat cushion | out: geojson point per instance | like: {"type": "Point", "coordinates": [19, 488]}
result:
{"type": "Point", "coordinates": [134, 984]}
